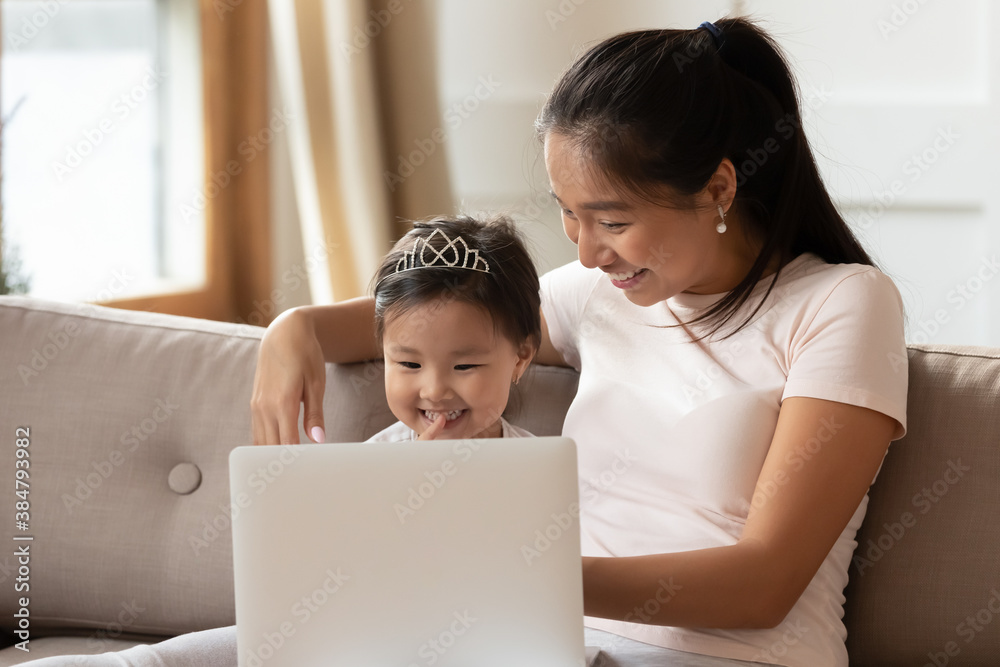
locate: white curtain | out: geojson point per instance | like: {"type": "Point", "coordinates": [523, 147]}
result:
{"type": "Point", "coordinates": [334, 141]}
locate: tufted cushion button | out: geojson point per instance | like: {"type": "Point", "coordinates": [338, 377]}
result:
{"type": "Point", "coordinates": [184, 478]}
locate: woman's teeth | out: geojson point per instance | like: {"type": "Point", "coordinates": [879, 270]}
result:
{"type": "Point", "coordinates": [621, 277]}
{"type": "Point", "coordinates": [449, 416]}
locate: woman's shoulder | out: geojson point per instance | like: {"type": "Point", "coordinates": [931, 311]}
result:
{"type": "Point", "coordinates": [811, 264]}
{"type": "Point", "coordinates": [812, 278]}
{"type": "Point", "coordinates": [835, 302]}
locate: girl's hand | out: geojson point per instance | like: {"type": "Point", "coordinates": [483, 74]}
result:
{"type": "Point", "coordinates": [290, 371]}
{"type": "Point", "coordinates": [435, 429]}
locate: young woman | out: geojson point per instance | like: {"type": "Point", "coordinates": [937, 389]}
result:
{"type": "Point", "coordinates": [733, 340]}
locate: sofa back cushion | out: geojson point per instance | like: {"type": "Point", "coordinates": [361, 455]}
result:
{"type": "Point", "coordinates": [132, 416]}
{"type": "Point", "coordinates": [925, 580]}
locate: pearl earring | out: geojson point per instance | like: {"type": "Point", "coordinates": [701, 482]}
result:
{"type": "Point", "coordinates": [721, 227]}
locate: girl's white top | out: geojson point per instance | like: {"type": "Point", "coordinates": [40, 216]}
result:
{"type": "Point", "coordinates": [672, 433]}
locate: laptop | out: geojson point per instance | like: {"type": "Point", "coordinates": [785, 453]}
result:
{"type": "Point", "coordinates": [451, 553]}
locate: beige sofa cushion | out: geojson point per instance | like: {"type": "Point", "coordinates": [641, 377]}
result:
{"type": "Point", "coordinates": [115, 401]}
{"type": "Point", "coordinates": [928, 558]}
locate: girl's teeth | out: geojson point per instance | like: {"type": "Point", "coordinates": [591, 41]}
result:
{"type": "Point", "coordinates": [449, 416]}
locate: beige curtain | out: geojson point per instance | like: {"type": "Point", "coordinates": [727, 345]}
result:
{"type": "Point", "coordinates": [417, 173]}
{"type": "Point", "coordinates": [334, 142]}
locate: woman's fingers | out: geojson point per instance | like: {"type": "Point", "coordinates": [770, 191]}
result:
{"type": "Point", "coordinates": [290, 371]}
{"type": "Point", "coordinates": [274, 424]}
{"type": "Point", "coordinates": [288, 425]}
{"type": "Point", "coordinates": [259, 438]}
{"type": "Point", "coordinates": [312, 400]}
{"type": "Point", "coordinates": [275, 404]}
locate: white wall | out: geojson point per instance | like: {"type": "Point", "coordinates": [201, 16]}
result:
{"type": "Point", "coordinates": [903, 120]}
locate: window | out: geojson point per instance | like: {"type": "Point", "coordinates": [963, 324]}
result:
{"type": "Point", "coordinates": [102, 146]}
{"type": "Point", "coordinates": [119, 117]}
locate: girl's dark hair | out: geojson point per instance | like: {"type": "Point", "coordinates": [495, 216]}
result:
{"type": "Point", "coordinates": [656, 111]}
{"type": "Point", "coordinates": [508, 292]}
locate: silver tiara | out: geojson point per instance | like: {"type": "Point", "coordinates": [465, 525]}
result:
{"type": "Point", "coordinates": [455, 254]}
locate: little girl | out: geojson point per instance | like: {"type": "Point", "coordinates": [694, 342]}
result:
{"type": "Point", "coordinates": [457, 318]}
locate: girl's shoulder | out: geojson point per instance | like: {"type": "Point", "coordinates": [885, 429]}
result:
{"type": "Point", "coordinates": [398, 432]}
{"type": "Point", "coordinates": [511, 431]}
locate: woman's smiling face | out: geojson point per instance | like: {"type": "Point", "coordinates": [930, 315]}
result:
{"type": "Point", "coordinates": [650, 252]}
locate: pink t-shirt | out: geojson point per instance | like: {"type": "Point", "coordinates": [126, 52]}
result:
{"type": "Point", "coordinates": [672, 433]}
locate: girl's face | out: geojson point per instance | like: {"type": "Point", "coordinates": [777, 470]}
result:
{"type": "Point", "coordinates": [444, 356]}
{"type": "Point", "coordinates": [650, 252]}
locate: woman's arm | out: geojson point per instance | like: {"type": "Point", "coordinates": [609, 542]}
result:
{"type": "Point", "coordinates": [290, 365]}
{"type": "Point", "coordinates": [806, 499]}
{"type": "Point", "coordinates": [345, 330]}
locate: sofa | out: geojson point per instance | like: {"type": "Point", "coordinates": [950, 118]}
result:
{"type": "Point", "coordinates": [123, 422]}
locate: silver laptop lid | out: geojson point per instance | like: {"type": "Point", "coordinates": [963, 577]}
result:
{"type": "Point", "coordinates": [447, 553]}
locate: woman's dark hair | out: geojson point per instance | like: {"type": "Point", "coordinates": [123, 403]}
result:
{"type": "Point", "coordinates": [656, 111]}
{"type": "Point", "coordinates": [508, 292]}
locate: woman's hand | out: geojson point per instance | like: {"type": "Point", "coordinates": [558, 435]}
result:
{"type": "Point", "coordinates": [291, 365]}
{"type": "Point", "coordinates": [290, 371]}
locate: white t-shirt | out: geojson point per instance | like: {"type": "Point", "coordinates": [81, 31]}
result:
{"type": "Point", "coordinates": [672, 433]}
{"type": "Point", "coordinates": [400, 432]}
